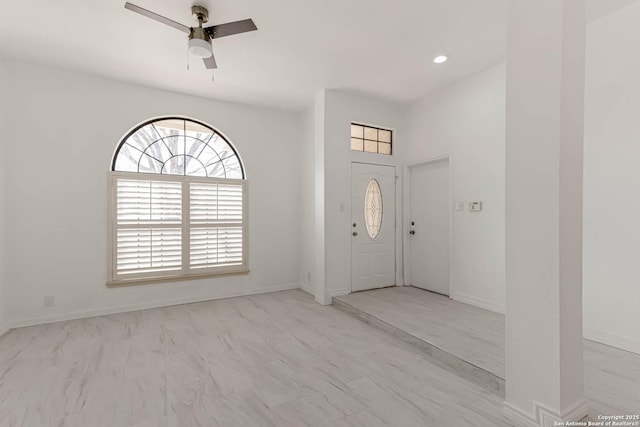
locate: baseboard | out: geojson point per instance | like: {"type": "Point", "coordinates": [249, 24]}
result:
{"type": "Point", "coordinates": [616, 341]}
{"type": "Point", "coordinates": [478, 302]}
{"type": "Point", "coordinates": [518, 416]}
{"type": "Point", "coordinates": [323, 299]}
{"type": "Point", "coordinates": [307, 286]}
{"type": "Point", "coordinates": [543, 416]}
{"type": "Point", "coordinates": [308, 290]}
{"type": "Point", "coordinates": [327, 299]}
{"type": "Point", "coordinates": [339, 292]}
{"type": "Point", "coordinates": [143, 306]}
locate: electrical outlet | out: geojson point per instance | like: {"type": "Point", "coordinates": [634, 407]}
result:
{"type": "Point", "coordinates": [459, 206]}
{"type": "Point", "coordinates": [49, 301]}
{"type": "Point", "coordinates": [308, 277]}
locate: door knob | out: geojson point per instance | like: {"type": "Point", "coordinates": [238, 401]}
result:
{"type": "Point", "coordinates": [412, 232]}
{"type": "Point", "coordinates": [355, 233]}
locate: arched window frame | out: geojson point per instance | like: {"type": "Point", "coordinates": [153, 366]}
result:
{"type": "Point", "coordinates": [168, 226]}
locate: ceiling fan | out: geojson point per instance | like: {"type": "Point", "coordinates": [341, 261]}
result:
{"type": "Point", "coordinates": [200, 38]}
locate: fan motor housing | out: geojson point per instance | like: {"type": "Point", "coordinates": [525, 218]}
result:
{"type": "Point", "coordinates": [200, 34]}
{"type": "Point", "coordinates": [200, 13]}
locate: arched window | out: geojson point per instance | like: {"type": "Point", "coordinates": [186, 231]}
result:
{"type": "Point", "coordinates": [178, 203]}
{"type": "Point", "coordinates": [177, 146]}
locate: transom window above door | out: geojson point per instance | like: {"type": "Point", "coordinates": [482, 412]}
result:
{"type": "Point", "coordinates": [178, 204]}
{"type": "Point", "coordinates": [370, 139]}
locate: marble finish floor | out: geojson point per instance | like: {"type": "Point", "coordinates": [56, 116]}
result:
{"type": "Point", "coordinates": [470, 333]}
{"type": "Point", "coordinates": [611, 376]}
{"type": "Point", "coordinates": [275, 359]}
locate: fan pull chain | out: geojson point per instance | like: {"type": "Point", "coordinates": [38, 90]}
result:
{"type": "Point", "coordinates": [187, 55]}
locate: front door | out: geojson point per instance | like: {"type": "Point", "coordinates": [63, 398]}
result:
{"type": "Point", "coordinates": [430, 224]}
{"type": "Point", "coordinates": [373, 218]}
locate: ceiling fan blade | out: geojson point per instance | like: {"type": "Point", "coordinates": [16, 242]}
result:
{"type": "Point", "coordinates": [210, 62]}
{"type": "Point", "coordinates": [231, 28]}
{"type": "Point", "coordinates": [156, 17]}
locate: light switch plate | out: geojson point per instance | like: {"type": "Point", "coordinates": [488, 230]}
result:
{"type": "Point", "coordinates": [475, 206]}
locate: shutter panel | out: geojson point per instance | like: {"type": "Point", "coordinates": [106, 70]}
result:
{"type": "Point", "coordinates": [230, 245]}
{"type": "Point", "coordinates": [149, 226]}
{"type": "Point", "coordinates": [148, 250]}
{"type": "Point", "coordinates": [203, 202]}
{"type": "Point", "coordinates": [152, 202]}
{"type": "Point", "coordinates": [204, 247]}
{"type": "Point", "coordinates": [166, 202]}
{"type": "Point", "coordinates": [216, 246]}
{"type": "Point", "coordinates": [133, 198]}
{"type": "Point", "coordinates": [216, 220]}
{"type": "Point", "coordinates": [230, 203]}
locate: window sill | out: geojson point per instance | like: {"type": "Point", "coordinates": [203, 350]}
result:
{"type": "Point", "coordinates": [164, 279]}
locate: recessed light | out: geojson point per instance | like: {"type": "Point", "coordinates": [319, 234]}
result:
{"type": "Point", "coordinates": [440, 59]}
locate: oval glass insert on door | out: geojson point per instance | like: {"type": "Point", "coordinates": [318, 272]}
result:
{"type": "Point", "coordinates": [373, 209]}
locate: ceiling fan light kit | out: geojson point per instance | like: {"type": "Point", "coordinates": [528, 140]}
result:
{"type": "Point", "coordinates": [200, 47]}
{"type": "Point", "coordinates": [199, 37]}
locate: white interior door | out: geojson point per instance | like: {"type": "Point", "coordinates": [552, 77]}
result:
{"type": "Point", "coordinates": [373, 215]}
{"type": "Point", "coordinates": [430, 223]}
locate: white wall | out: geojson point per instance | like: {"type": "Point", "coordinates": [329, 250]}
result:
{"type": "Point", "coordinates": [307, 202]}
{"type": "Point", "coordinates": [467, 121]}
{"type": "Point", "coordinates": [319, 199]}
{"type": "Point", "coordinates": [63, 129]}
{"type": "Point", "coordinates": [340, 109]}
{"type": "Point", "coordinates": [3, 202]}
{"type": "Point", "coordinates": [611, 274]}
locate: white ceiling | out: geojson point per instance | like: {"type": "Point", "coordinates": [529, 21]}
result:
{"type": "Point", "coordinates": [381, 47]}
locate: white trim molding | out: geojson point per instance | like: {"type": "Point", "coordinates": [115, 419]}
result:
{"type": "Point", "coordinates": [339, 292]}
{"type": "Point", "coordinates": [543, 416]}
{"type": "Point", "coordinates": [307, 287]}
{"type": "Point", "coordinates": [324, 299]}
{"type": "Point", "coordinates": [478, 302]}
{"type": "Point", "coordinates": [144, 306]}
{"type": "Point", "coordinates": [616, 341]}
{"type": "Point", "coordinates": [327, 299]}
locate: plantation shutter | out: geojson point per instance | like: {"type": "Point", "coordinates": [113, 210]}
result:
{"type": "Point", "coordinates": [177, 226]}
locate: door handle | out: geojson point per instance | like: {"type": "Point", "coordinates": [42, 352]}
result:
{"type": "Point", "coordinates": [412, 232]}
{"type": "Point", "coordinates": [355, 233]}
